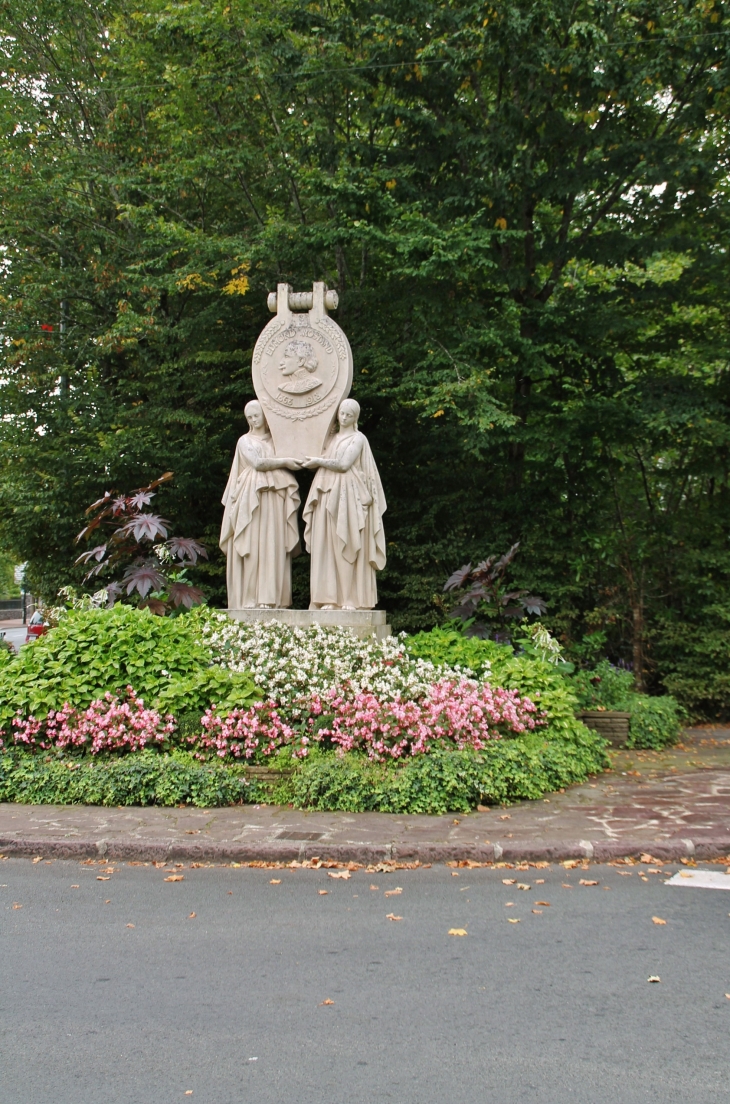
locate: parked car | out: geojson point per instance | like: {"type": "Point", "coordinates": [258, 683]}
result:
{"type": "Point", "coordinates": [36, 627]}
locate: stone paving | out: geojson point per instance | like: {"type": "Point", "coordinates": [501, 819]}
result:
{"type": "Point", "coordinates": [672, 804]}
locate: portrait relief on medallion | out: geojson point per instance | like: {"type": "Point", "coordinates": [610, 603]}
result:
{"type": "Point", "coordinates": [298, 365]}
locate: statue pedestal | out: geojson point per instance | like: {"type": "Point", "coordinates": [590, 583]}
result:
{"type": "Point", "coordinates": [363, 623]}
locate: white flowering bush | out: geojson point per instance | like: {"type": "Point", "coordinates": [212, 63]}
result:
{"type": "Point", "coordinates": [290, 664]}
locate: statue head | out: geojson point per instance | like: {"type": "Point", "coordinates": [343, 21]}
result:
{"type": "Point", "coordinates": [298, 355]}
{"type": "Point", "coordinates": [255, 416]}
{"type": "Point", "coordinates": [348, 413]}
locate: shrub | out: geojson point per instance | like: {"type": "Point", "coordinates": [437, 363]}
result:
{"type": "Point", "coordinates": [198, 691]}
{"type": "Point", "coordinates": [654, 723]}
{"type": "Point", "coordinates": [603, 687]}
{"type": "Point", "coordinates": [143, 779]}
{"type": "Point", "coordinates": [445, 780]}
{"type": "Point", "coordinates": [93, 652]}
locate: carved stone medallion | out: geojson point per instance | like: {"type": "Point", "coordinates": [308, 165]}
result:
{"type": "Point", "coordinates": [302, 370]}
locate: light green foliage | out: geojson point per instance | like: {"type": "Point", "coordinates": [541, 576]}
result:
{"type": "Point", "coordinates": [451, 647]}
{"type": "Point", "coordinates": [217, 686]}
{"type": "Point", "coordinates": [95, 651]}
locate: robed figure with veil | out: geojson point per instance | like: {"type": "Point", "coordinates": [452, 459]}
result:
{"type": "Point", "coordinates": [259, 534]}
{"type": "Point", "coordinates": [343, 519]}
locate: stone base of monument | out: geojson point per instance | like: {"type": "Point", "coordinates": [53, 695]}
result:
{"type": "Point", "coordinates": [363, 623]}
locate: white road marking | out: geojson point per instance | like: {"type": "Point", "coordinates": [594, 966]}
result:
{"type": "Point", "coordinates": [701, 879]}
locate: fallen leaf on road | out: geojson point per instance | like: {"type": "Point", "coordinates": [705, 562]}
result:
{"type": "Point", "coordinates": [188, 1092]}
{"type": "Point", "coordinates": [175, 878]}
{"type": "Point", "coordinates": [108, 901]}
{"type": "Point", "coordinates": [505, 816]}
{"type": "Point", "coordinates": [523, 885]}
{"type": "Point", "coordinates": [482, 808]}
{"type": "Point", "coordinates": [160, 864]}
{"type": "Point", "coordinates": [192, 916]}
{"type": "Point", "coordinates": [654, 977]}
{"type": "Point", "coordinates": [130, 925]}
{"type": "Point", "coordinates": [511, 921]}
{"type": "Point", "coordinates": [16, 905]}
{"type": "Point", "coordinates": [75, 887]}
{"type": "Point", "coordinates": [454, 874]}
{"type": "Point", "coordinates": [393, 892]}
{"type": "Point", "coordinates": [328, 1001]}
{"type": "Point", "coordinates": [391, 916]}
{"type": "Point", "coordinates": [546, 904]}
{"type": "Point", "coordinates": [539, 881]}
{"type": "Point", "coordinates": [538, 912]}
{"type": "Point", "coordinates": [38, 858]}
{"type": "Point", "coordinates": [570, 864]}
{"type": "Point", "coordinates": [566, 885]}
{"type": "Point", "coordinates": [339, 874]}
{"type": "Point", "coordinates": [625, 873]}
{"type": "Point", "coordinates": [374, 887]}
{"type": "Point", "coordinates": [457, 931]}
{"type": "Point", "coordinates": [587, 881]}
{"type": "Point", "coordinates": [685, 874]}
{"type": "Point", "coordinates": [275, 881]}
{"type": "Point", "coordinates": [323, 892]}
{"type": "Point", "coordinates": [508, 881]}
{"type": "Point", "coordinates": [658, 920]}
{"type": "Point", "coordinates": [728, 996]}
{"type": "Point", "coordinates": [508, 904]}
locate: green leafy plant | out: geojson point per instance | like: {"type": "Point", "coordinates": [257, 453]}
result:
{"type": "Point", "coordinates": [603, 687]}
{"type": "Point", "coordinates": [655, 722]}
{"type": "Point", "coordinates": [218, 686]}
{"type": "Point", "coordinates": [94, 651]}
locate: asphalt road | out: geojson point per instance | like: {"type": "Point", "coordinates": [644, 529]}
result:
{"type": "Point", "coordinates": [136, 1002]}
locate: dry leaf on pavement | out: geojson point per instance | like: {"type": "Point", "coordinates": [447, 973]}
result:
{"type": "Point", "coordinates": [130, 925]}
{"type": "Point", "coordinates": [512, 921]}
{"type": "Point", "coordinates": [374, 887]}
{"type": "Point", "coordinates": [538, 912]}
{"type": "Point", "coordinates": [523, 885]}
{"type": "Point", "coordinates": [505, 816]}
{"type": "Point", "coordinates": [37, 859]}
{"type": "Point", "coordinates": [16, 905]}
{"type": "Point", "coordinates": [393, 892]}
{"type": "Point", "coordinates": [457, 931]}
{"type": "Point", "coordinates": [545, 903]}
{"type": "Point", "coordinates": [328, 1001]}
{"type": "Point", "coordinates": [508, 881]}
{"type": "Point", "coordinates": [658, 920]}
{"type": "Point", "coordinates": [175, 878]}
{"type": "Point", "coordinates": [654, 977]}
{"type": "Point", "coordinates": [275, 881]}
{"type": "Point", "coordinates": [339, 874]}
{"type": "Point", "coordinates": [587, 881]}
{"type": "Point", "coordinates": [75, 887]}
{"type": "Point", "coordinates": [102, 877]}
{"type": "Point", "coordinates": [391, 916]}
{"type": "Point", "coordinates": [192, 916]}
{"type": "Point", "coordinates": [323, 892]}
{"type": "Point", "coordinates": [566, 885]}
{"type": "Point", "coordinates": [685, 874]}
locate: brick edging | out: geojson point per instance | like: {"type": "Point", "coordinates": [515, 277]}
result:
{"type": "Point", "coordinates": [165, 850]}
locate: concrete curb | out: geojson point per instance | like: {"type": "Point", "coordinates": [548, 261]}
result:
{"type": "Point", "coordinates": [365, 853]}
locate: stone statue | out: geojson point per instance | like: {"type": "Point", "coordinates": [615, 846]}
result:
{"type": "Point", "coordinates": [343, 519]}
{"type": "Point", "coordinates": [259, 534]}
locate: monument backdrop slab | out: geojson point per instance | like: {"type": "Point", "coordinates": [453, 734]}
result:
{"type": "Point", "coordinates": [363, 623]}
{"type": "Point", "coordinates": [302, 370]}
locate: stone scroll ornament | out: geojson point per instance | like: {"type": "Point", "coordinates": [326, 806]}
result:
{"type": "Point", "coordinates": [302, 370]}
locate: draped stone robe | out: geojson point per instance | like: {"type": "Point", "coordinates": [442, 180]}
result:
{"type": "Point", "coordinates": [259, 534]}
{"type": "Point", "coordinates": [344, 531]}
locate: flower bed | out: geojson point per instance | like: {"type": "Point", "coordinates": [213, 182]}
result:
{"type": "Point", "coordinates": [359, 724]}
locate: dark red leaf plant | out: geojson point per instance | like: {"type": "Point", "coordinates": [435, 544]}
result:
{"type": "Point", "coordinates": [144, 565]}
{"type": "Point", "coordinates": [485, 601]}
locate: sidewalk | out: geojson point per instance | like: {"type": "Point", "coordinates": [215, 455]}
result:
{"type": "Point", "coordinates": [673, 805]}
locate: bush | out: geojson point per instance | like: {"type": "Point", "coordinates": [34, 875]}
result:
{"type": "Point", "coordinates": [445, 780]}
{"type": "Point", "coordinates": [192, 695]}
{"type": "Point", "coordinates": [95, 651]}
{"type": "Point", "coordinates": [142, 779]}
{"type": "Point", "coordinates": [603, 687]}
{"type": "Point", "coordinates": [654, 723]}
